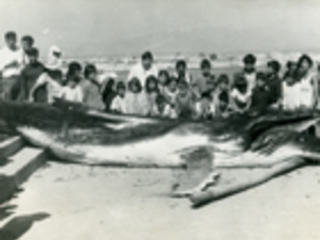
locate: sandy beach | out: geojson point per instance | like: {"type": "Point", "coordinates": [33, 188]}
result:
{"type": "Point", "coordinates": [102, 203]}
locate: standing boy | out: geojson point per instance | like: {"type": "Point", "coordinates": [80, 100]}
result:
{"type": "Point", "coordinates": [205, 76]}
{"type": "Point", "coordinates": [274, 82]}
{"type": "Point", "coordinates": [27, 43]}
{"type": "Point", "coordinates": [29, 75]}
{"type": "Point", "coordinates": [181, 72]}
{"type": "Point", "coordinates": [260, 94]}
{"type": "Point", "coordinates": [249, 71]}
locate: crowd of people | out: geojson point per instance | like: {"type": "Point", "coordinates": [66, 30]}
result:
{"type": "Point", "coordinates": [149, 91]}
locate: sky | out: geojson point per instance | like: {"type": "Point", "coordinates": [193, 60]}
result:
{"type": "Point", "coordinates": [96, 28]}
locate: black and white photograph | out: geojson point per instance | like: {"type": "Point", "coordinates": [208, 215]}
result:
{"type": "Point", "coordinates": [159, 119]}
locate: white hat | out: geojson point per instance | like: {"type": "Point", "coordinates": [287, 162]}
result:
{"type": "Point", "coordinates": [55, 49]}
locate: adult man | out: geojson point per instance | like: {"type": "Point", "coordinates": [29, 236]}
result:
{"type": "Point", "coordinates": [144, 69]}
{"type": "Point", "coordinates": [10, 66]}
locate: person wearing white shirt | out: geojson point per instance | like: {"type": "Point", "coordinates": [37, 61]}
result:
{"type": "Point", "coordinates": [163, 109]}
{"type": "Point", "coordinates": [52, 80]}
{"type": "Point", "coordinates": [170, 90]}
{"type": "Point", "coordinates": [72, 92]}
{"type": "Point", "coordinates": [118, 104]}
{"type": "Point", "coordinates": [10, 66]}
{"type": "Point", "coordinates": [290, 94]}
{"type": "Point", "coordinates": [205, 107]}
{"type": "Point", "coordinates": [54, 58]}
{"type": "Point", "coordinates": [249, 71]}
{"type": "Point", "coordinates": [10, 57]}
{"type": "Point", "coordinates": [307, 83]}
{"type": "Point", "coordinates": [143, 69]}
{"type": "Point", "coordinates": [240, 96]}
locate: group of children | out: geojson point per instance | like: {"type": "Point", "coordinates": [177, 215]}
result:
{"type": "Point", "coordinates": [179, 95]}
{"type": "Point", "coordinates": [150, 92]}
{"type": "Point", "coordinates": [174, 95]}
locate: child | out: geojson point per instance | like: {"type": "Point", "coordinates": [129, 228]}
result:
{"type": "Point", "coordinates": [92, 88]}
{"type": "Point", "coordinates": [151, 92]}
{"type": "Point", "coordinates": [317, 81]}
{"type": "Point", "coordinates": [52, 80]}
{"type": "Point", "coordinates": [163, 79]}
{"type": "Point", "coordinates": [222, 96]}
{"type": "Point", "coordinates": [27, 43]}
{"type": "Point", "coordinates": [205, 104]}
{"type": "Point", "coordinates": [249, 71]}
{"type": "Point", "coordinates": [290, 93]}
{"type": "Point", "coordinates": [201, 82]}
{"type": "Point", "coordinates": [74, 68]}
{"type": "Point", "coordinates": [273, 82]}
{"type": "Point", "coordinates": [108, 94]}
{"type": "Point", "coordinates": [163, 109]}
{"type": "Point", "coordinates": [72, 92]}
{"type": "Point", "coordinates": [211, 86]}
{"type": "Point", "coordinates": [260, 95]}
{"type": "Point", "coordinates": [118, 103]}
{"type": "Point", "coordinates": [29, 75]}
{"type": "Point", "coordinates": [170, 90]}
{"type": "Point", "coordinates": [135, 101]}
{"type": "Point", "coordinates": [181, 72]}
{"type": "Point", "coordinates": [205, 108]}
{"type": "Point", "coordinates": [307, 82]}
{"type": "Point", "coordinates": [240, 95]}
{"type": "Point", "coordinates": [291, 69]}
{"type": "Point", "coordinates": [184, 102]}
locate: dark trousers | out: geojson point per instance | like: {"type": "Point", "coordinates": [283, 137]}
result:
{"type": "Point", "coordinates": [10, 88]}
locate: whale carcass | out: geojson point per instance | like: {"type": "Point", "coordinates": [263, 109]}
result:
{"type": "Point", "coordinates": [273, 143]}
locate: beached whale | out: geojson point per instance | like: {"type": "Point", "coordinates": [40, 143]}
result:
{"type": "Point", "coordinates": [267, 144]}
{"type": "Point", "coordinates": [92, 137]}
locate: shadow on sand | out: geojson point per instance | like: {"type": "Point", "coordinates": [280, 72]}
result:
{"type": "Point", "coordinates": [19, 225]}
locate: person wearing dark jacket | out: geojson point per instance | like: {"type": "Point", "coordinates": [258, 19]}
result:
{"type": "Point", "coordinates": [274, 81]}
{"type": "Point", "coordinates": [29, 76]}
{"type": "Point", "coordinates": [260, 95]}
